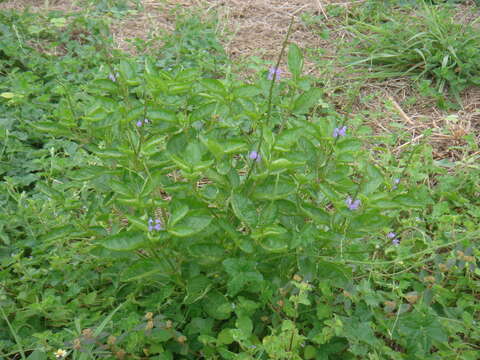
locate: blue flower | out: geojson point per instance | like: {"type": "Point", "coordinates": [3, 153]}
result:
{"type": "Point", "coordinates": [340, 131]}
{"type": "Point", "coordinates": [396, 242]}
{"type": "Point", "coordinates": [112, 77]}
{"type": "Point", "coordinates": [351, 204]}
{"type": "Point", "coordinates": [391, 235]}
{"type": "Point", "coordinates": [255, 156]}
{"type": "Point", "coordinates": [274, 71]}
{"type": "Point", "coordinates": [139, 123]}
{"type": "Point", "coordinates": [395, 182]}
{"type": "Point", "coordinates": [155, 225]}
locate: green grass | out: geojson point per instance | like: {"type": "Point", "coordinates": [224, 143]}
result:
{"type": "Point", "coordinates": [254, 257]}
{"type": "Point", "coordinates": [425, 43]}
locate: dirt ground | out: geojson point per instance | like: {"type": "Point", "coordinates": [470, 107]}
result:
{"type": "Point", "coordinates": [258, 28]}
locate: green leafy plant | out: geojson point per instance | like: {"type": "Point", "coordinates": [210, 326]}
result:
{"type": "Point", "coordinates": [158, 207]}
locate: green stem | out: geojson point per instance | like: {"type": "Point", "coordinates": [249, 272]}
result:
{"type": "Point", "coordinates": [270, 96]}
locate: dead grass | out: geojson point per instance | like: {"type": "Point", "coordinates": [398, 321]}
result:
{"type": "Point", "coordinates": [41, 5]}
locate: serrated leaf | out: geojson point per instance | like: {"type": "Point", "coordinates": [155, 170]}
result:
{"type": "Point", "coordinates": [306, 101]}
{"type": "Point", "coordinates": [124, 241]}
{"type": "Point", "coordinates": [178, 214]}
{"type": "Point", "coordinates": [244, 209]}
{"type": "Point", "coordinates": [197, 288]}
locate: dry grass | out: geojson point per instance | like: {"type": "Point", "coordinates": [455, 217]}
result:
{"type": "Point", "coordinates": [41, 5]}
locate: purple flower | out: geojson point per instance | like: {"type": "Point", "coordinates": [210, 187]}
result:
{"type": "Point", "coordinates": [351, 204]}
{"type": "Point", "coordinates": [395, 182]}
{"type": "Point", "coordinates": [112, 77]}
{"type": "Point", "coordinates": [393, 236]}
{"type": "Point", "coordinates": [274, 72]}
{"type": "Point", "coordinates": [155, 225]}
{"type": "Point", "coordinates": [140, 123]}
{"type": "Point", "coordinates": [340, 131]}
{"type": "Point", "coordinates": [255, 156]}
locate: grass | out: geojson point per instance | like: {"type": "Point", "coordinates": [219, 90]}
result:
{"type": "Point", "coordinates": [156, 205]}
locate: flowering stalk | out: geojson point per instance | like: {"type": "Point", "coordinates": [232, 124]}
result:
{"type": "Point", "coordinates": [270, 94]}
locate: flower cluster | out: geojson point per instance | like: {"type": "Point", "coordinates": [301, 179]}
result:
{"type": "Point", "coordinates": [393, 236]}
{"type": "Point", "coordinates": [155, 225]}
{"type": "Point", "coordinates": [113, 77]}
{"type": "Point", "coordinates": [395, 182]}
{"type": "Point", "coordinates": [274, 72]}
{"type": "Point", "coordinates": [353, 204]}
{"type": "Point", "coordinates": [340, 131]}
{"type": "Point", "coordinates": [255, 156]}
{"type": "Point", "coordinates": [140, 123]}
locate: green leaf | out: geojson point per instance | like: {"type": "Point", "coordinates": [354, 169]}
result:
{"type": "Point", "coordinates": [217, 306]}
{"type": "Point", "coordinates": [295, 60]}
{"type": "Point", "coordinates": [127, 70]}
{"type": "Point", "coordinates": [161, 335]}
{"type": "Point", "coordinates": [124, 241]}
{"type": "Point", "coordinates": [307, 100]}
{"type": "Point", "coordinates": [161, 115]}
{"type": "Point", "coordinates": [63, 232]}
{"type": "Point", "coordinates": [246, 91]}
{"type": "Point", "coordinates": [225, 337]}
{"type": "Point", "coordinates": [349, 145]}
{"type": "Point", "coordinates": [245, 324]}
{"type": "Point", "coordinates": [207, 253]}
{"type": "Point", "coordinates": [287, 139]}
{"type": "Point", "coordinates": [105, 85]}
{"type": "Point", "coordinates": [37, 355]}
{"type": "Point", "coordinates": [275, 244]}
{"type": "Point", "coordinates": [52, 128]}
{"type": "Point", "coordinates": [145, 268]}
{"type": "Point", "coordinates": [279, 165]}
{"type": "Point", "coordinates": [178, 214]}
{"type": "Point", "coordinates": [193, 153]}
{"type": "Point", "coordinates": [319, 216]}
{"type": "Point", "coordinates": [244, 209]}
{"type": "Point", "coordinates": [214, 85]}
{"type": "Point", "coordinates": [197, 288]}
{"type": "Point", "coordinates": [192, 224]}
{"type": "Point", "coordinates": [274, 191]}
